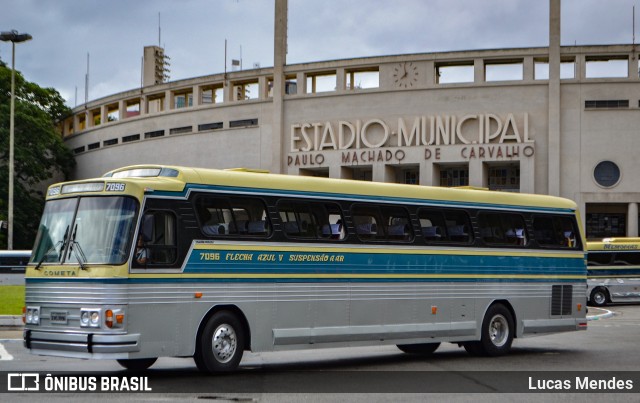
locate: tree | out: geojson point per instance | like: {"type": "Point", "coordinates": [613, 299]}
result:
{"type": "Point", "coordinates": [39, 153]}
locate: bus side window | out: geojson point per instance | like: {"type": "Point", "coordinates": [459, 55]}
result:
{"type": "Point", "coordinates": [438, 225]}
{"type": "Point", "coordinates": [158, 236]}
{"type": "Point", "coordinates": [366, 221]}
{"type": "Point", "coordinates": [379, 223]}
{"type": "Point", "coordinates": [398, 224]}
{"type": "Point", "coordinates": [311, 220]}
{"type": "Point", "coordinates": [502, 228]}
{"type": "Point", "coordinates": [225, 216]}
{"type": "Point", "coordinates": [556, 232]}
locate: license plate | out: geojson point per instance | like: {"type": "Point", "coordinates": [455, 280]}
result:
{"type": "Point", "coordinates": [59, 317]}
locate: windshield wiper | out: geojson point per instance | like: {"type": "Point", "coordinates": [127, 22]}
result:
{"type": "Point", "coordinates": [54, 247]}
{"type": "Point", "coordinates": [77, 251]}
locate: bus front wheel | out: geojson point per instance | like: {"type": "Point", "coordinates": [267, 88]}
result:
{"type": "Point", "coordinates": [137, 364]}
{"type": "Point", "coordinates": [496, 334]}
{"type": "Point", "coordinates": [221, 344]}
{"type": "Point", "coordinates": [598, 297]}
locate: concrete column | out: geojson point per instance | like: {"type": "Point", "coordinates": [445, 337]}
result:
{"type": "Point", "coordinates": [528, 70]}
{"type": "Point", "coordinates": [478, 71]}
{"type": "Point", "coordinates": [581, 67]}
{"type": "Point", "coordinates": [476, 173]}
{"type": "Point", "coordinates": [197, 99]}
{"type": "Point", "coordinates": [121, 109]}
{"type": "Point", "coordinates": [335, 171]}
{"type": "Point", "coordinates": [104, 111]}
{"type": "Point", "coordinates": [390, 174]}
{"type": "Point", "coordinates": [340, 80]}
{"type": "Point", "coordinates": [554, 168]}
{"type": "Point", "coordinates": [527, 175]}
{"type": "Point", "coordinates": [426, 174]}
{"type": "Point", "coordinates": [302, 83]}
{"type": "Point", "coordinates": [430, 80]}
{"type": "Point", "coordinates": [632, 220]}
{"type": "Point", "coordinates": [263, 87]}
{"type": "Point", "coordinates": [633, 67]}
{"type": "Point", "coordinates": [227, 91]}
{"type": "Point", "coordinates": [169, 100]}
{"type": "Point", "coordinates": [143, 105]}
{"type": "Point", "coordinates": [378, 173]}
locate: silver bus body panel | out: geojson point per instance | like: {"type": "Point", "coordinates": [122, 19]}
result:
{"type": "Point", "coordinates": [163, 319]}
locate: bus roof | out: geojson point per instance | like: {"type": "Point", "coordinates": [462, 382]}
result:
{"type": "Point", "coordinates": [614, 244]}
{"type": "Point", "coordinates": [176, 177]}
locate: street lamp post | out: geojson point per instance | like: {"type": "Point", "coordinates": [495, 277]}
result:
{"type": "Point", "coordinates": [13, 37]}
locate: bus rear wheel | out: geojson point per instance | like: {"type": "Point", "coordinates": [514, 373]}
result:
{"type": "Point", "coordinates": [221, 344]}
{"type": "Point", "coordinates": [422, 348]}
{"type": "Point", "coordinates": [599, 297]}
{"type": "Point", "coordinates": [137, 364]}
{"type": "Point", "coordinates": [496, 334]}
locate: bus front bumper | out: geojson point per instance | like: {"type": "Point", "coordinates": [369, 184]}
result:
{"type": "Point", "coordinates": [81, 344]}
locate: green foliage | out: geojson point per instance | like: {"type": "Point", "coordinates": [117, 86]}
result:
{"type": "Point", "coordinates": [40, 153]}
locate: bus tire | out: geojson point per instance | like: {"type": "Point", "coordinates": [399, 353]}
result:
{"type": "Point", "coordinates": [422, 348]}
{"type": "Point", "coordinates": [137, 364]}
{"type": "Point", "coordinates": [599, 297]}
{"type": "Point", "coordinates": [221, 344]}
{"type": "Point", "coordinates": [496, 333]}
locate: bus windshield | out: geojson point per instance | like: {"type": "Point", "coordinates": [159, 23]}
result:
{"type": "Point", "coordinates": [85, 230]}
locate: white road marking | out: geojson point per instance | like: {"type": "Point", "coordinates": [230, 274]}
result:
{"type": "Point", "coordinates": [4, 355]}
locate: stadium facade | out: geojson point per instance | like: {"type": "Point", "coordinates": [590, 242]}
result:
{"type": "Point", "coordinates": [559, 120]}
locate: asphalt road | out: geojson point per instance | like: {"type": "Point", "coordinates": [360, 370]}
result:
{"type": "Point", "coordinates": [609, 346]}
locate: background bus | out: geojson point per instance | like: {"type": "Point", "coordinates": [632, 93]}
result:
{"type": "Point", "coordinates": [613, 271]}
{"type": "Point", "coordinates": [14, 261]}
{"type": "Point", "coordinates": [153, 261]}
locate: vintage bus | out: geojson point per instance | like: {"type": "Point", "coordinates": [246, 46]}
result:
{"type": "Point", "coordinates": [152, 261]}
{"type": "Point", "coordinates": [613, 271]}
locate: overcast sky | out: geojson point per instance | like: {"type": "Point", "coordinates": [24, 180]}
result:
{"type": "Point", "coordinates": [193, 33]}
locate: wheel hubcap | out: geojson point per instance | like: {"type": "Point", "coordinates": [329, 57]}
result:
{"type": "Point", "coordinates": [224, 343]}
{"type": "Point", "coordinates": [498, 330]}
{"type": "Point", "coordinates": [599, 298]}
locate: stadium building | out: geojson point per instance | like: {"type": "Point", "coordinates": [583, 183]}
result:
{"type": "Point", "coordinates": [559, 120]}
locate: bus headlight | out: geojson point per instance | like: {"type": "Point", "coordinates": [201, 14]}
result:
{"type": "Point", "coordinates": [90, 317]}
{"type": "Point", "coordinates": [84, 318]}
{"type": "Point", "coordinates": [32, 315]}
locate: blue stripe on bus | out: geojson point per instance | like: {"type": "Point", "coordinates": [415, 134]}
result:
{"type": "Point", "coordinates": [380, 263]}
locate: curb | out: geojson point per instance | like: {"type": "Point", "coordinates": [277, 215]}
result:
{"type": "Point", "coordinates": [604, 315]}
{"type": "Point", "coordinates": [11, 321]}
